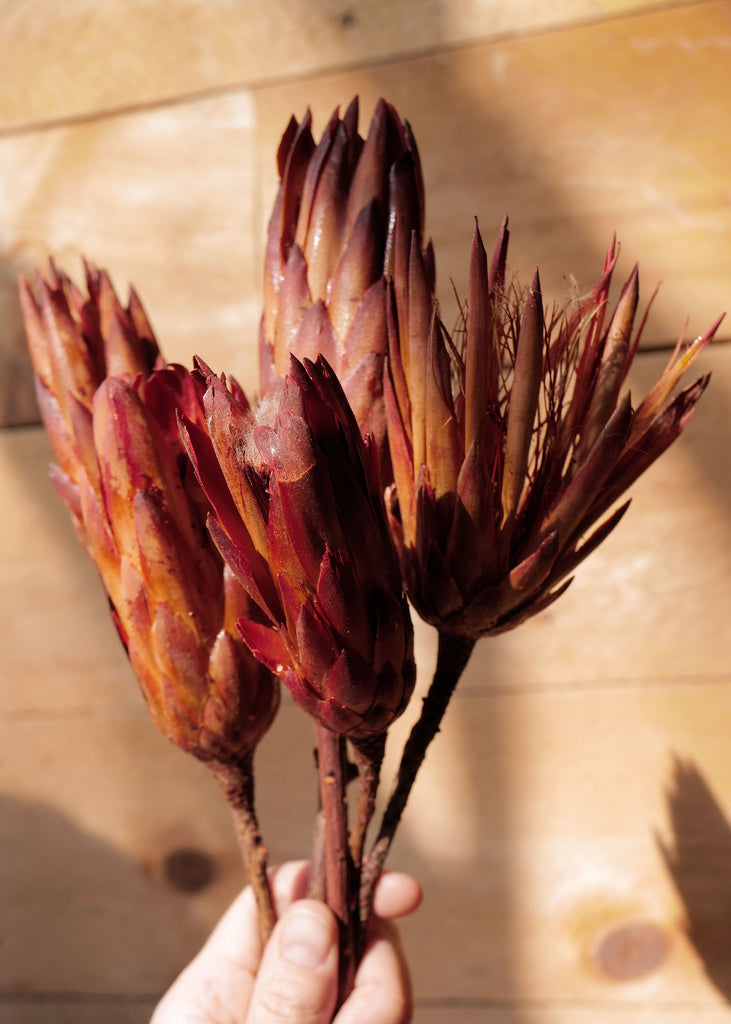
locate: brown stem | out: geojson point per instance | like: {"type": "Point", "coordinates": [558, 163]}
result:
{"type": "Point", "coordinates": [316, 887]}
{"type": "Point", "coordinates": [237, 782]}
{"type": "Point", "coordinates": [332, 764]}
{"type": "Point", "coordinates": [453, 654]}
{"type": "Point", "coordinates": [368, 756]}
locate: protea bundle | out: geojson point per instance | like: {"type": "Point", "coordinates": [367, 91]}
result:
{"type": "Point", "coordinates": [241, 543]}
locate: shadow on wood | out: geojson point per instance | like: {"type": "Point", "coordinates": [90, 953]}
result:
{"type": "Point", "coordinates": [17, 398]}
{"type": "Point", "coordinates": [698, 857]}
{"type": "Point", "coordinates": [83, 924]}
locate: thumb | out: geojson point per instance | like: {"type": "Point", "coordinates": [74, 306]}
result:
{"type": "Point", "coordinates": [298, 978]}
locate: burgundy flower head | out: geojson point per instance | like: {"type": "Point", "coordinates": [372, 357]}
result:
{"type": "Point", "coordinates": [343, 218]}
{"type": "Point", "coordinates": [298, 516]}
{"type": "Point", "coordinates": [512, 440]}
{"type": "Point", "coordinates": [110, 406]}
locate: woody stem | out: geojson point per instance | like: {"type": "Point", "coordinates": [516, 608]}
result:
{"type": "Point", "coordinates": [368, 756]}
{"type": "Point", "coordinates": [452, 657]}
{"type": "Point", "coordinates": [237, 782]}
{"type": "Point", "coordinates": [316, 887]}
{"type": "Point", "coordinates": [332, 765]}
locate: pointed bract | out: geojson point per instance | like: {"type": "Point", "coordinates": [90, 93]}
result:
{"type": "Point", "coordinates": [338, 631]}
{"type": "Point", "coordinates": [508, 450]}
{"type": "Point", "coordinates": [343, 209]}
{"type": "Point", "coordinates": [111, 407]}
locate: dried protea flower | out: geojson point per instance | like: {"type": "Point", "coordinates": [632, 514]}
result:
{"type": "Point", "coordinates": [510, 443]}
{"type": "Point", "coordinates": [343, 218]}
{"type": "Point", "coordinates": [299, 518]}
{"type": "Point", "coordinates": [109, 405]}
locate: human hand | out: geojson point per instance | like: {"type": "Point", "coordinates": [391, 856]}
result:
{"type": "Point", "coordinates": [294, 979]}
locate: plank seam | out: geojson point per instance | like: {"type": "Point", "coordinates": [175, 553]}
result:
{"type": "Point", "coordinates": [255, 84]}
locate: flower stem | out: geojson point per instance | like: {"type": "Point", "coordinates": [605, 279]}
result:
{"type": "Point", "coordinates": [339, 874]}
{"type": "Point", "coordinates": [316, 887]}
{"type": "Point", "coordinates": [237, 782]}
{"type": "Point", "coordinates": [368, 755]}
{"type": "Point", "coordinates": [452, 657]}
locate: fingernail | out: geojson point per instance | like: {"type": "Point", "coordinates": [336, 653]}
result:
{"type": "Point", "coordinates": [306, 938]}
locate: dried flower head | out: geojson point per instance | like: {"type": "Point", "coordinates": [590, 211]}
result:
{"type": "Point", "coordinates": [110, 405]}
{"type": "Point", "coordinates": [345, 207]}
{"type": "Point", "coordinates": [300, 520]}
{"type": "Point", "coordinates": [511, 442]}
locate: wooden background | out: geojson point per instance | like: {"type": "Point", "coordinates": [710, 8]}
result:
{"type": "Point", "coordinates": [573, 826]}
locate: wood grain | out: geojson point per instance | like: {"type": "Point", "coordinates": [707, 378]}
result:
{"type": "Point", "coordinates": [574, 134]}
{"type": "Point", "coordinates": [535, 852]}
{"type": "Point", "coordinates": [176, 199]}
{"type": "Point", "coordinates": [88, 57]}
{"type": "Point", "coordinates": [162, 199]}
{"type": "Point", "coordinates": [573, 823]}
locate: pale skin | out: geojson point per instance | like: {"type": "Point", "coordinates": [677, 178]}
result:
{"type": "Point", "coordinates": [293, 980]}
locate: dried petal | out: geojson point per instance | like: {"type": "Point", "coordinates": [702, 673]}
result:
{"type": "Point", "coordinates": [505, 458]}
{"type": "Point", "coordinates": [523, 401]}
{"type": "Point", "coordinates": [339, 633]}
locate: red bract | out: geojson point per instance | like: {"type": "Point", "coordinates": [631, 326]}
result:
{"type": "Point", "coordinates": [110, 407]}
{"type": "Point", "coordinates": [344, 216]}
{"type": "Point", "coordinates": [511, 442]}
{"type": "Point", "coordinates": [75, 341]}
{"type": "Point", "coordinates": [299, 518]}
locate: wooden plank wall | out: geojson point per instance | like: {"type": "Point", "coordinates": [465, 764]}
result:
{"type": "Point", "coordinates": [573, 827]}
